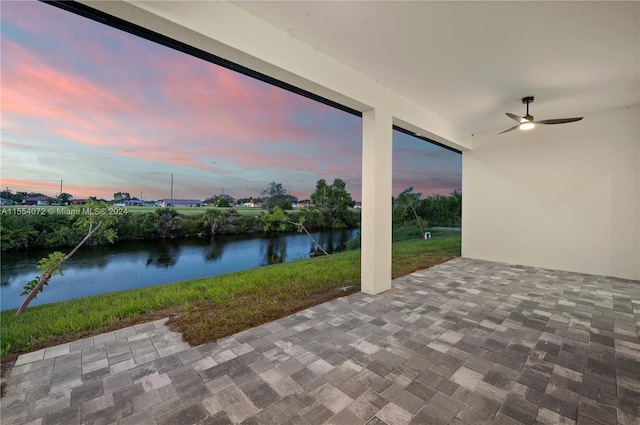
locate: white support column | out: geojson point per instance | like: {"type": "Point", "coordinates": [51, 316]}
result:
{"type": "Point", "coordinates": [376, 201]}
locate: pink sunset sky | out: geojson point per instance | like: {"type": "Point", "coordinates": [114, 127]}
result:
{"type": "Point", "coordinates": [105, 111]}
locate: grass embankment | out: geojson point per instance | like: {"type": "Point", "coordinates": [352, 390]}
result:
{"type": "Point", "coordinates": [206, 309]}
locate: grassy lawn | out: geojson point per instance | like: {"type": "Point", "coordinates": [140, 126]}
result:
{"type": "Point", "coordinates": [209, 308]}
{"type": "Point", "coordinates": [194, 210]}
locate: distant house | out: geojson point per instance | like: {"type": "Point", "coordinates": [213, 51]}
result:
{"type": "Point", "coordinates": [38, 200]}
{"type": "Point", "coordinates": [252, 204]}
{"type": "Point", "coordinates": [78, 201]}
{"type": "Point", "coordinates": [180, 203]}
{"type": "Point", "coordinates": [133, 202]}
{"type": "Point", "coordinates": [358, 204]}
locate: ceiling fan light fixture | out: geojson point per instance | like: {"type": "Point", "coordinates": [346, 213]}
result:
{"type": "Point", "coordinates": [528, 122]}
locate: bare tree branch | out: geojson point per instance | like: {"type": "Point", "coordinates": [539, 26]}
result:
{"type": "Point", "coordinates": [301, 226]}
{"type": "Point", "coordinates": [46, 275]}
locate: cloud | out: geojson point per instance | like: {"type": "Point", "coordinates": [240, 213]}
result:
{"type": "Point", "coordinates": [429, 168]}
{"type": "Point", "coordinates": [50, 188]}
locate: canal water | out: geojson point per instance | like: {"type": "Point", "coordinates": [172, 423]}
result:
{"type": "Point", "coordinates": [108, 268]}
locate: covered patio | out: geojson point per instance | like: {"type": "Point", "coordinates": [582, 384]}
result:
{"type": "Point", "coordinates": [476, 340]}
{"type": "Point", "coordinates": [465, 342]}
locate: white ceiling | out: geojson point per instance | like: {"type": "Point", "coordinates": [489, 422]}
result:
{"type": "Point", "coordinates": [471, 62]}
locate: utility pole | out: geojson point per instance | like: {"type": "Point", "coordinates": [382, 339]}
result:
{"type": "Point", "coordinates": [60, 187]}
{"type": "Point", "coordinates": [171, 189]}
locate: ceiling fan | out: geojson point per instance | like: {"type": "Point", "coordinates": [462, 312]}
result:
{"type": "Point", "coordinates": [527, 122]}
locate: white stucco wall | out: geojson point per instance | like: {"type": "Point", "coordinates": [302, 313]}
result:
{"type": "Point", "coordinates": [564, 197]}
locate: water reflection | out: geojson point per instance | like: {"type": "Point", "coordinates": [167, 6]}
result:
{"type": "Point", "coordinates": [331, 241]}
{"type": "Point", "coordinates": [215, 249]}
{"type": "Point", "coordinates": [165, 256]}
{"type": "Point", "coordinates": [275, 252]}
{"type": "Point", "coordinates": [99, 269]}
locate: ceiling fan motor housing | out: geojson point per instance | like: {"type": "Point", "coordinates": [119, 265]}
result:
{"type": "Point", "coordinates": [527, 100]}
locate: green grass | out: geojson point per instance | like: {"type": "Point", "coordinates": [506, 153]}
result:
{"type": "Point", "coordinates": [416, 254]}
{"type": "Point", "coordinates": [195, 210]}
{"type": "Point", "coordinates": [412, 231]}
{"type": "Point", "coordinates": [209, 308]}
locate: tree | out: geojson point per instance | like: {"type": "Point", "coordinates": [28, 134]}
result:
{"type": "Point", "coordinates": [166, 222]}
{"type": "Point", "coordinates": [18, 197]}
{"type": "Point", "coordinates": [455, 206]}
{"type": "Point", "coordinates": [320, 196]}
{"type": "Point", "coordinates": [6, 194]}
{"type": "Point", "coordinates": [335, 199]}
{"type": "Point", "coordinates": [276, 196]}
{"type": "Point", "coordinates": [442, 210]}
{"type": "Point", "coordinates": [16, 232]}
{"type": "Point", "coordinates": [216, 219]}
{"type": "Point", "coordinates": [405, 205]}
{"type": "Point", "coordinates": [277, 221]}
{"type": "Point", "coordinates": [292, 199]}
{"type": "Point", "coordinates": [121, 196]}
{"type": "Point", "coordinates": [52, 264]}
{"type": "Point", "coordinates": [64, 198]}
{"type": "Point", "coordinates": [221, 201]}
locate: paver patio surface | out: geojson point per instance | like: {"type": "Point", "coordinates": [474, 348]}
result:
{"type": "Point", "coordinates": [465, 342]}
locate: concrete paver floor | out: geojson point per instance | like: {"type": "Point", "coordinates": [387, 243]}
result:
{"type": "Point", "coordinates": [465, 342]}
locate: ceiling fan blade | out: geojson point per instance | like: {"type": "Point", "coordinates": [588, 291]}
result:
{"type": "Point", "coordinates": [559, 120]}
{"type": "Point", "coordinates": [512, 128]}
{"type": "Point", "coordinates": [514, 117]}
